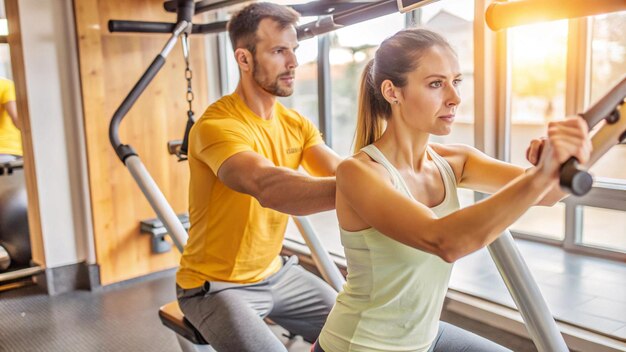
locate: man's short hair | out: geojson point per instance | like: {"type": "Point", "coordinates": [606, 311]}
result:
{"type": "Point", "coordinates": [243, 25]}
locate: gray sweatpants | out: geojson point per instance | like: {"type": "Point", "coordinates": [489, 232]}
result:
{"type": "Point", "coordinates": [453, 339]}
{"type": "Point", "coordinates": [230, 316]}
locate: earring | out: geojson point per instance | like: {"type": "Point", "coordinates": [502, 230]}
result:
{"type": "Point", "coordinates": [395, 102]}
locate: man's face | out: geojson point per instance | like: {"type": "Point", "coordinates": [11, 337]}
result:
{"type": "Point", "coordinates": [275, 61]}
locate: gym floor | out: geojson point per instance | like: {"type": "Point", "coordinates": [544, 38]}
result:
{"type": "Point", "coordinates": [124, 317]}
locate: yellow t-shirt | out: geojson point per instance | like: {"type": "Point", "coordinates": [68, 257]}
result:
{"type": "Point", "coordinates": [232, 237]}
{"type": "Point", "coordinates": [10, 136]}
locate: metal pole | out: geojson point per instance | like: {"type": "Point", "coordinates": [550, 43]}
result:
{"type": "Point", "coordinates": [157, 200]}
{"type": "Point", "coordinates": [324, 90]}
{"type": "Point", "coordinates": [525, 292]}
{"type": "Point", "coordinates": [320, 255]}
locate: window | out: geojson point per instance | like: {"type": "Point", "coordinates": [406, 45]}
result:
{"type": "Point", "coordinates": [228, 66]}
{"type": "Point", "coordinates": [604, 228]}
{"type": "Point", "coordinates": [5, 57]}
{"type": "Point", "coordinates": [538, 58]}
{"type": "Point", "coordinates": [546, 222]}
{"type": "Point", "coordinates": [608, 49]}
{"type": "Point", "coordinates": [600, 219]}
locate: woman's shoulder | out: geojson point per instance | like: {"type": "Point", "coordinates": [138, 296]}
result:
{"type": "Point", "coordinates": [361, 165]}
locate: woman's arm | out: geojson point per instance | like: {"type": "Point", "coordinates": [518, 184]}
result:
{"type": "Point", "coordinates": [483, 173]}
{"type": "Point", "coordinates": [476, 170]}
{"type": "Point", "coordinates": [372, 198]}
{"type": "Point", "coordinates": [379, 205]}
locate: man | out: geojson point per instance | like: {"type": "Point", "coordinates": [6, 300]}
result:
{"type": "Point", "coordinates": [10, 137]}
{"type": "Point", "coordinates": [243, 156]}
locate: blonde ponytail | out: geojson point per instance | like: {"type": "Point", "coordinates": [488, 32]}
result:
{"type": "Point", "coordinates": [370, 124]}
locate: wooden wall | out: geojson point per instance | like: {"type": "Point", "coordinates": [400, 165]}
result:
{"type": "Point", "coordinates": [110, 64]}
{"type": "Point", "coordinates": [17, 64]}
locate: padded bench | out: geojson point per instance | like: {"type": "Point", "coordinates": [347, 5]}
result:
{"type": "Point", "coordinates": [188, 337]}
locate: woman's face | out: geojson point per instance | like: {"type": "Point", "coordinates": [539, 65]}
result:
{"type": "Point", "coordinates": [430, 99]}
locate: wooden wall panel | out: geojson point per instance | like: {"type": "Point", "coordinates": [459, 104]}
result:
{"type": "Point", "coordinates": [19, 76]}
{"type": "Point", "coordinates": [110, 64]}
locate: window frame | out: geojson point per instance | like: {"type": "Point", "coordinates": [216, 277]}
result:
{"type": "Point", "coordinates": [605, 195]}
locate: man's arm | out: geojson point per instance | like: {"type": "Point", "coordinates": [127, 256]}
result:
{"type": "Point", "coordinates": [320, 160]}
{"type": "Point", "coordinates": [279, 188]}
{"type": "Point", "coordinates": [11, 109]}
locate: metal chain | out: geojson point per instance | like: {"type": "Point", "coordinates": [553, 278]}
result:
{"type": "Point", "coordinates": [188, 74]}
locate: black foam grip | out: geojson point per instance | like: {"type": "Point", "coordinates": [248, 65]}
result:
{"type": "Point", "coordinates": [574, 180]}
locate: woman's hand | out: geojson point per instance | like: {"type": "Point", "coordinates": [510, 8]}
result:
{"type": "Point", "coordinates": [567, 138]}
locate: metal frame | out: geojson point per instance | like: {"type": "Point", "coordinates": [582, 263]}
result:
{"type": "Point", "coordinates": [602, 195]}
{"type": "Point", "coordinates": [324, 105]}
{"type": "Point", "coordinates": [526, 294]}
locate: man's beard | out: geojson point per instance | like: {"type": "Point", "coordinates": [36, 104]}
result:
{"type": "Point", "coordinates": [270, 86]}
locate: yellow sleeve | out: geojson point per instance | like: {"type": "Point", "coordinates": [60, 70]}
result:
{"type": "Point", "coordinates": [7, 89]}
{"type": "Point", "coordinates": [218, 140]}
{"type": "Point", "coordinates": [310, 133]}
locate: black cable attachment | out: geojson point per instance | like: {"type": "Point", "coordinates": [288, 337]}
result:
{"type": "Point", "coordinates": [123, 151]}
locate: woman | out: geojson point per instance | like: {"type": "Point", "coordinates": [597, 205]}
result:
{"type": "Point", "coordinates": [397, 204]}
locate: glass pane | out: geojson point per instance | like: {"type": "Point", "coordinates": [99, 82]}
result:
{"type": "Point", "coordinates": [610, 167]}
{"type": "Point", "coordinates": [538, 59]}
{"type": "Point", "coordinates": [605, 228]}
{"type": "Point", "coordinates": [304, 97]}
{"type": "Point", "coordinates": [454, 19]}
{"type": "Point", "coordinates": [547, 222]}
{"type": "Point", "coordinates": [5, 62]}
{"type": "Point", "coordinates": [350, 49]}
{"type": "Point", "coordinates": [232, 70]}
{"type": "Point", "coordinates": [326, 228]}
{"type": "Point", "coordinates": [5, 57]}
{"type": "Point", "coordinates": [608, 50]}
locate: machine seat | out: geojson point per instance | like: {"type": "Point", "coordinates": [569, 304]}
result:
{"type": "Point", "coordinates": [172, 317]}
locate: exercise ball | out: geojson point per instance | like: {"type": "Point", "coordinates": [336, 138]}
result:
{"type": "Point", "coordinates": [14, 233]}
{"type": "Point", "coordinates": [5, 259]}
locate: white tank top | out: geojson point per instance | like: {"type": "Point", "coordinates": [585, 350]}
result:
{"type": "Point", "coordinates": [394, 293]}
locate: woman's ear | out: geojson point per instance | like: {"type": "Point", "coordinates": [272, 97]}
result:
{"type": "Point", "coordinates": [244, 59]}
{"type": "Point", "coordinates": [389, 91]}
